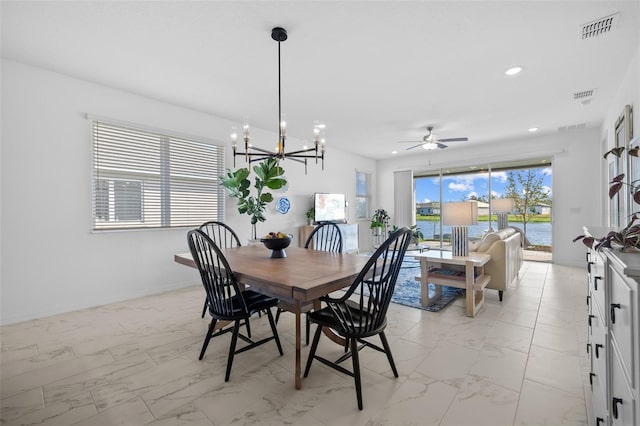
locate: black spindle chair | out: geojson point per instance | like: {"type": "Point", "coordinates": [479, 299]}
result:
{"type": "Point", "coordinates": [361, 312]}
{"type": "Point", "coordinates": [226, 301]}
{"type": "Point", "coordinates": [224, 237]}
{"type": "Point", "coordinates": [324, 237]}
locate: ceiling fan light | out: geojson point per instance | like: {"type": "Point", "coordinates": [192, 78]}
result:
{"type": "Point", "coordinates": [429, 146]}
{"type": "Point", "coordinates": [513, 71]}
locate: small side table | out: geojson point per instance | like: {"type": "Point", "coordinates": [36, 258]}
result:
{"type": "Point", "coordinates": [433, 269]}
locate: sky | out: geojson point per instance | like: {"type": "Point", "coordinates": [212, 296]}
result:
{"type": "Point", "coordinates": [460, 188]}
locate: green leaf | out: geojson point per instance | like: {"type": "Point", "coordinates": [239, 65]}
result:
{"type": "Point", "coordinates": [276, 183]}
{"type": "Point", "coordinates": [266, 197]}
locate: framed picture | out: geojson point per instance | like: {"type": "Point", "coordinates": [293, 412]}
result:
{"type": "Point", "coordinates": [614, 203]}
{"type": "Point", "coordinates": [627, 164]}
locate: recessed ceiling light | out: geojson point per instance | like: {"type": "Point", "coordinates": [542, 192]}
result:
{"type": "Point", "coordinates": [321, 126]}
{"type": "Point", "coordinates": [394, 152]}
{"type": "Point", "coordinates": [533, 129]}
{"type": "Point", "coordinates": [513, 71]}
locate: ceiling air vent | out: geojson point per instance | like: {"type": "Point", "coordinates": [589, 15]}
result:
{"type": "Point", "coordinates": [584, 96]}
{"type": "Point", "coordinates": [572, 127]}
{"type": "Point", "coordinates": [599, 26]}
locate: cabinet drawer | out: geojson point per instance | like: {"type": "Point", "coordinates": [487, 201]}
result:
{"type": "Point", "coordinates": [597, 279]}
{"type": "Point", "coordinates": [599, 350]}
{"type": "Point", "coordinates": [621, 322]}
{"type": "Point", "coordinates": [621, 403]}
{"type": "Point", "coordinates": [599, 398]}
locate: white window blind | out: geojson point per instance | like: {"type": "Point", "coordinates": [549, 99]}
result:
{"type": "Point", "coordinates": [363, 194]}
{"type": "Point", "coordinates": [146, 179]}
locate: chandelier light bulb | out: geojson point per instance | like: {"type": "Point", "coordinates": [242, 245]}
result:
{"type": "Point", "coordinates": [234, 138]}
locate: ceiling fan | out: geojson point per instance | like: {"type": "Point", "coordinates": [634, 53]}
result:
{"type": "Point", "coordinates": [431, 141]}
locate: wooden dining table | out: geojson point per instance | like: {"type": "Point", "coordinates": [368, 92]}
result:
{"type": "Point", "coordinates": [298, 279]}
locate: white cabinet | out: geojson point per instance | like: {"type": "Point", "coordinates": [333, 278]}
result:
{"type": "Point", "coordinates": [349, 236]}
{"type": "Point", "coordinates": [613, 341]}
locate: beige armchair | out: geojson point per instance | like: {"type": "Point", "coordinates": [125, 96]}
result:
{"type": "Point", "coordinates": [505, 248]}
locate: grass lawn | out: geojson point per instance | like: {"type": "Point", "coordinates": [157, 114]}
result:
{"type": "Point", "coordinates": [541, 218]}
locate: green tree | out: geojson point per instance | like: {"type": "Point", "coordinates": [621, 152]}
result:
{"type": "Point", "coordinates": [526, 189]}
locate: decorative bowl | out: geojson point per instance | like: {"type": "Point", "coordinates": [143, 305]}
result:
{"type": "Point", "coordinates": [277, 246]}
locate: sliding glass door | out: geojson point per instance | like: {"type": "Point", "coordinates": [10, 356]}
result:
{"type": "Point", "coordinates": [527, 183]}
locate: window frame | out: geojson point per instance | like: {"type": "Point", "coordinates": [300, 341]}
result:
{"type": "Point", "coordinates": [367, 197]}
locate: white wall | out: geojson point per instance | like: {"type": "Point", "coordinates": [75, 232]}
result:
{"type": "Point", "coordinates": [51, 262]}
{"type": "Point", "coordinates": [628, 94]}
{"type": "Point", "coordinates": [575, 173]}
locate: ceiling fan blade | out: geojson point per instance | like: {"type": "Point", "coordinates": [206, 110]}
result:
{"type": "Point", "coordinates": [441, 145]}
{"type": "Point", "coordinates": [415, 146]}
{"type": "Point", "coordinates": [409, 141]}
{"type": "Point", "coordinates": [453, 140]}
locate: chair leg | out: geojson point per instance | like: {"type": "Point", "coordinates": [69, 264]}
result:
{"type": "Point", "coordinates": [312, 351]}
{"type": "Point", "coordinates": [356, 371]}
{"type": "Point", "coordinates": [204, 308]}
{"type": "Point", "coordinates": [274, 330]}
{"type": "Point", "coordinates": [278, 311]}
{"type": "Point", "coordinates": [232, 349]}
{"type": "Point", "coordinates": [246, 323]}
{"type": "Point", "coordinates": [500, 292]}
{"type": "Point", "coordinates": [308, 329]}
{"type": "Point", "coordinates": [212, 325]}
{"type": "Point", "coordinates": [387, 350]}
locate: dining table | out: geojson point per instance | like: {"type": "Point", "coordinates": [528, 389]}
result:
{"type": "Point", "coordinates": [297, 280]}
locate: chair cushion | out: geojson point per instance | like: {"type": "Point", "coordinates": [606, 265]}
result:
{"type": "Point", "coordinates": [255, 302]}
{"type": "Point", "coordinates": [490, 238]}
{"type": "Point", "coordinates": [487, 241]}
{"type": "Point", "coordinates": [325, 317]}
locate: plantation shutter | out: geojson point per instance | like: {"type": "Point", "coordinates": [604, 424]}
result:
{"type": "Point", "coordinates": [148, 179]}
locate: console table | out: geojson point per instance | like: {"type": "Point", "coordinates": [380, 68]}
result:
{"type": "Point", "coordinates": [467, 272]}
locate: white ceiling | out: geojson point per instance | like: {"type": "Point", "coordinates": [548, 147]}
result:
{"type": "Point", "coordinates": [374, 72]}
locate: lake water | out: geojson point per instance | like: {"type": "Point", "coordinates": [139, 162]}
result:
{"type": "Point", "coordinates": [537, 233]}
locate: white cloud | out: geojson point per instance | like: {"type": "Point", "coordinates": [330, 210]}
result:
{"type": "Point", "coordinates": [460, 186]}
{"type": "Point", "coordinates": [499, 176]}
{"type": "Point", "coordinates": [547, 171]}
{"type": "Point", "coordinates": [472, 194]}
{"type": "Point", "coordinates": [546, 189]}
{"type": "Point", "coordinates": [426, 200]}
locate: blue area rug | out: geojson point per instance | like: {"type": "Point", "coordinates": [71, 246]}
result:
{"type": "Point", "coordinates": [407, 291]}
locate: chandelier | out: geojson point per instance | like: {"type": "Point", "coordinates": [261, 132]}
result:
{"type": "Point", "coordinates": [252, 153]}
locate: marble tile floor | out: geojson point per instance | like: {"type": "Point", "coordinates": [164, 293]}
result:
{"type": "Point", "coordinates": [519, 362]}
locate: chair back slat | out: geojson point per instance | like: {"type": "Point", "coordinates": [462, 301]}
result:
{"type": "Point", "coordinates": [221, 234]}
{"type": "Point", "coordinates": [223, 294]}
{"type": "Point", "coordinates": [374, 288]}
{"type": "Point", "coordinates": [325, 237]}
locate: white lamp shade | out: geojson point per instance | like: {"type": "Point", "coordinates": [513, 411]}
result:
{"type": "Point", "coordinates": [502, 205]}
{"type": "Point", "coordinates": [460, 213]}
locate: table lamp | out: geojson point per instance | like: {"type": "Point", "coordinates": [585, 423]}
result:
{"type": "Point", "coordinates": [459, 215]}
{"type": "Point", "coordinates": [502, 207]}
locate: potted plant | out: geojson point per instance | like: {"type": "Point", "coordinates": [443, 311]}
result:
{"type": "Point", "coordinates": [379, 222]}
{"type": "Point", "coordinates": [311, 214]}
{"type": "Point", "coordinates": [268, 175]}
{"type": "Point", "coordinates": [627, 238]}
{"type": "Point", "coordinates": [416, 234]}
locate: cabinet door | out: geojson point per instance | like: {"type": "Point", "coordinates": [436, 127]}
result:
{"type": "Point", "coordinates": [621, 403]}
{"type": "Point", "coordinates": [620, 322]}
{"type": "Point", "coordinates": [349, 237]}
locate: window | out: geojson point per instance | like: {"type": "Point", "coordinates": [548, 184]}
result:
{"type": "Point", "coordinates": [147, 179]}
{"type": "Point", "coordinates": [363, 194]}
